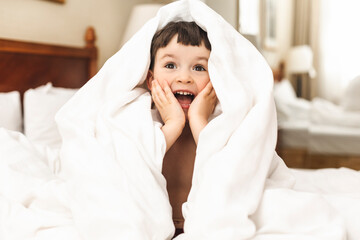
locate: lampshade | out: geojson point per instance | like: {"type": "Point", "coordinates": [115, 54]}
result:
{"type": "Point", "coordinates": [300, 60]}
{"type": "Point", "coordinates": [139, 15]}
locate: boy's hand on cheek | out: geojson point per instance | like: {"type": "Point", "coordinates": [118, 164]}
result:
{"type": "Point", "coordinates": [204, 104]}
{"type": "Point", "coordinates": [200, 110]}
{"type": "Point", "coordinates": [168, 106]}
{"type": "Point", "coordinates": [170, 110]}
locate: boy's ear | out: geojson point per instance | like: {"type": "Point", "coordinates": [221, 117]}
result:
{"type": "Point", "coordinates": [149, 78]}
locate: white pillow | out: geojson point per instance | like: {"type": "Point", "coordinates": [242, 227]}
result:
{"type": "Point", "coordinates": [284, 91]}
{"type": "Point", "coordinates": [351, 99]}
{"type": "Point", "coordinates": [288, 106]}
{"type": "Point", "coordinates": [10, 111]}
{"type": "Point", "coordinates": [40, 107]}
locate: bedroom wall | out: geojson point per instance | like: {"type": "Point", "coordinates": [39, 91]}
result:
{"type": "Point", "coordinates": [64, 24]}
{"type": "Point", "coordinates": [226, 8]}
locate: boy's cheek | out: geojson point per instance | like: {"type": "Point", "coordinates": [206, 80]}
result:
{"type": "Point", "coordinates": [163, 83]}
{"type": "Point", "coordinates": [204, 84]}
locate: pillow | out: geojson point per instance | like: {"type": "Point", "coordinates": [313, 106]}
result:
{"type": "Point", "coordinates": [10, 111]}
{"type": "Point", "coordinates": [351, 99]}
{"type": "Point", "coordinates": [40, 107]}
{"type": "Point", "coordinates": [288, 106]}
{"type": "Point", "coordinates": [284, 91]}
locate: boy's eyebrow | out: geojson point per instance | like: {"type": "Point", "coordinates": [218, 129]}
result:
{"type": "Point", "coordinates": [197, 58]}
{"type": "Point", "coordinates": [167, 55]}
{"type": "Point", "coordinates": [202, 58]}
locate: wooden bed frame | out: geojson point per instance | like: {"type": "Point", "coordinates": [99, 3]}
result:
{"type": "Point", "coordinates": [301, 158]}
{"type": "Point", "coordinates": [25, 65]}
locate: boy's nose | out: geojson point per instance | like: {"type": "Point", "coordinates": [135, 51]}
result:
{"type": "Point", "coordinates": [185, 77]}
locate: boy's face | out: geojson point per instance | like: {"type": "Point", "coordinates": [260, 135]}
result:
{"type": "Point", "coordinates": [184, 68]}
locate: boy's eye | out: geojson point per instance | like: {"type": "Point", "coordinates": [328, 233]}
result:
{"type": "Point", "coordinates": [199, 68]}
{"type": "Point", "coordinates": [170, 66]}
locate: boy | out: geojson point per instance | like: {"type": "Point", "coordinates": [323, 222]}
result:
{"type": "Point", "coordinates": [182, 92]}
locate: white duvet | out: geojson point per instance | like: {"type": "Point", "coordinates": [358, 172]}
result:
{"type": "Point", "coordinates": [106, 181]}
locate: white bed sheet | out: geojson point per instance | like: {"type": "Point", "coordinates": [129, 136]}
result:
{"type": "Point", "coordinates": [340, 187]}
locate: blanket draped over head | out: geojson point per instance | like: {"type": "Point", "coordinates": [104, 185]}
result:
{"type": "Point", "coordinates": [112, 152]}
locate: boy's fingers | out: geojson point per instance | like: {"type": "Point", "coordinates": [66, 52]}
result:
{"type": "Point", "coordinates": [212, 93]}
{"type": "Point", "coordinates": [168, 93]}
{"type": "Point", "coordinates": [208, 88]}
{"type": "Point", "coordinates": [156, 94]}
{"type": "Point", "coordinates": [160, 92]}
{"type": "Point", "coordinates": [165, 94]}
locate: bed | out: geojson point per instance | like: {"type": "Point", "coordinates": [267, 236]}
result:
{"type": "Point", "coordinates": [36, 79]}
{"type": "Point", "coordinates": [315, 134]}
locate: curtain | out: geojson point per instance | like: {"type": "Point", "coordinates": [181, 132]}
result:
{"type": "Point", "coordinates": [302, 18]}
{"type": "Point", "coordinates": [302, 36]}
{"type": "Point", "coordinates": [338, 46]}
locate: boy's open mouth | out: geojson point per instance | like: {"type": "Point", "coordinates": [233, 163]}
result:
{"type": "Point", "coordinates": [184, 98]}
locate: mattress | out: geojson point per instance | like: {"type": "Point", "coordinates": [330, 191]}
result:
{"type": "Point", "coordinates": [293, 134]}
{"type": "Point", "coordinates": [334, 140]}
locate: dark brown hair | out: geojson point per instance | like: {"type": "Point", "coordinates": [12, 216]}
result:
{"type": "Point", "coordinates": [189, 33]}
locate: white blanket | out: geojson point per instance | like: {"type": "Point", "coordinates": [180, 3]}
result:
{"type": "Point", "coordinates": [109, 183]}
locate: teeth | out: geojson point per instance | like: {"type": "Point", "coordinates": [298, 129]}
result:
{"type": "Point", "coordinates": [183, 93]}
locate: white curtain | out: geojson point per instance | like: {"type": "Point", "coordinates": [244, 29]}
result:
{"type": "Point", "coordinates": [301, 36]}
{"type": "Point", "coordinates": [302, 18]}
{"type": "Point", "coordinates": [338, 46]}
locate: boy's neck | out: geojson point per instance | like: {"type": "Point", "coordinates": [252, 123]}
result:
{"type": "Point", "coordinates": [186, 131]}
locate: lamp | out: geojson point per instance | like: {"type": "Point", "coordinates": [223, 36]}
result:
{"type": "Point", "coordinates": [300, 62]}
{"type": "Point", "coordinates": [139, 15]}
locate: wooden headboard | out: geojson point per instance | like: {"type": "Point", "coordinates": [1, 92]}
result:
{"type": "Point", "coordinates": [25, 65]}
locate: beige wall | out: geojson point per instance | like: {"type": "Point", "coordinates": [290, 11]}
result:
{"type": "Point", "coordinates": [65, 24]}
{"type": "Point", "coordinates": [226, 8]}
